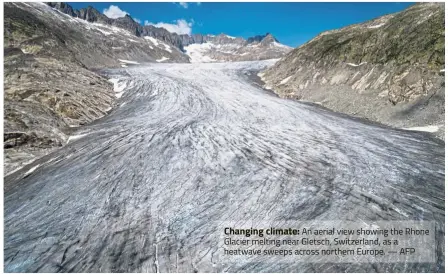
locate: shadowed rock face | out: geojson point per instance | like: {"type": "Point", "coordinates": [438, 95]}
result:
{"type": "Point", "coordinates": [128, 23]}
{"type": "Point", "coordinates": [67, 9]}
{"type": "Point", "coordinates": [392, 65]}
{"type": "Point", "coordinates": [146, 188]}
{"type": "Point", "coordinates": [90, 14]}
{"type": "Point", "coordinates": [259, 38]}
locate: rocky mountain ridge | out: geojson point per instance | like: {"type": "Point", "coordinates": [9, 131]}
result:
{"type": "Point", "coordinates": [389, 70]}
{"type": "Point", "coordinates": [90, 14]}
{"type": "Point", "coordinates": [223, 48]}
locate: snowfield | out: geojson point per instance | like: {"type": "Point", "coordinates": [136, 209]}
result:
{"type": "Point", "coordinates": [212, 52]}
{"type": "Point", "coordinates": [191, 146]}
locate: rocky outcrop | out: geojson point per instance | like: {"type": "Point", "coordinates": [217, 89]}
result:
{"type": "Point", "coordinates": [259, 38]}
{"type": "Point", "coordinates": [256, 38]}
{"type": "Point", "coordinates": [127, 23]}
{"type": "Point", "coordinates": [390, 69]}
{"type": "Point", "coordinates": [67, 9]}
{"type": "Point", "coordinates": [90, 14]}
{"type": "Point", "coordinates": [194, 39]}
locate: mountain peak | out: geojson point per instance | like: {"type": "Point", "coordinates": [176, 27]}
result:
{"type": "Point", "coordinates": [126, 18]}
{"type": "Point", "coordinates": [63, 7]}
{"type": "Point", "coordinates": [268, 38]}
{"type": "Point", "coordinates": [180, 41]}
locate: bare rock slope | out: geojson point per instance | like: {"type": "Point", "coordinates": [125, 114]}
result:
{"type": "Point", "coordinates": [389, 70]}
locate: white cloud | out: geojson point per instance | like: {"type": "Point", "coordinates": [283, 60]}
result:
{"type": "Point", "coordinates": [114, 12]}
{"type": "Point", "coordinates": [181, 26]}
{"type": "Point", "coordinates": [184, 5]}
{"type": "Point", "coordinates": [137, 20]}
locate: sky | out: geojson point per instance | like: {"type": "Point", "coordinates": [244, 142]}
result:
{"type": "Point", "coordinates": [291, 23]}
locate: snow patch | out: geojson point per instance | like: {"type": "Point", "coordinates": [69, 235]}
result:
{"type": "Point", "coordinates": [104, 32]}
{"type": "Point", "coordinates": [261, 75]}
{"type": "Point", "coordinates": [76, 137]}
{"type": "Point", "coordinates": [122, 31]}
{"type": "Point", "coordinates": [167, 47]}
{"type": "Point", "coordinates": [118, 89]}
{"type": "Point", "coordinates": [162, 59]}
{"type": "Point", "coordinates": [281, 45]}
{"type": "Point", "coordinates": [153, 40]}
{"type": "Point", "coordinates": [31, 170]}
{"type": "Point", "coordinates": [425, 129]}
{"type": "Point", "coordinates": [158, 43]}
{"type": "Point", "coordinates": [356, 65]}
{"type": "Point", "coordinates": [284, 81]}
{"type": "Point", "coordinates": [197, 52]}
{"type": "Point", "coordinates": [128, 62]}
{"type": "Point", "coordinates": [376, 26]}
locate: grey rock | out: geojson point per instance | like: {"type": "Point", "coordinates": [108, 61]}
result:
{"type": "Point", "coordinates": [181, 41]}
{"type": "Point", "coordinates": [163, 35]}
{"type": "Point", "coordinates": [259, 38]}
{"type": "Point", "coordinates": [393, 62]}
{"type": "Point", "coordinates": [90, 14]}
{"type": "Point", "coordinates": [223, 39]}
{"type": "Point", "coordinates": [64, 7]}
{"type": "Point", "coordinates": [128, 23]}
{"type": "Point", "coordinates": [268, 39]}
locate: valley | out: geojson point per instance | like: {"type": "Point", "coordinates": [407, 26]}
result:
{"type": "Point", "coordinates": [193, 145]}
{"type": "Point", "coordinates": [127, 146]}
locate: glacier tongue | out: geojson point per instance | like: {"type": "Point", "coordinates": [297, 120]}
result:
{"type": "Point", "coordinates": [194, 145]}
